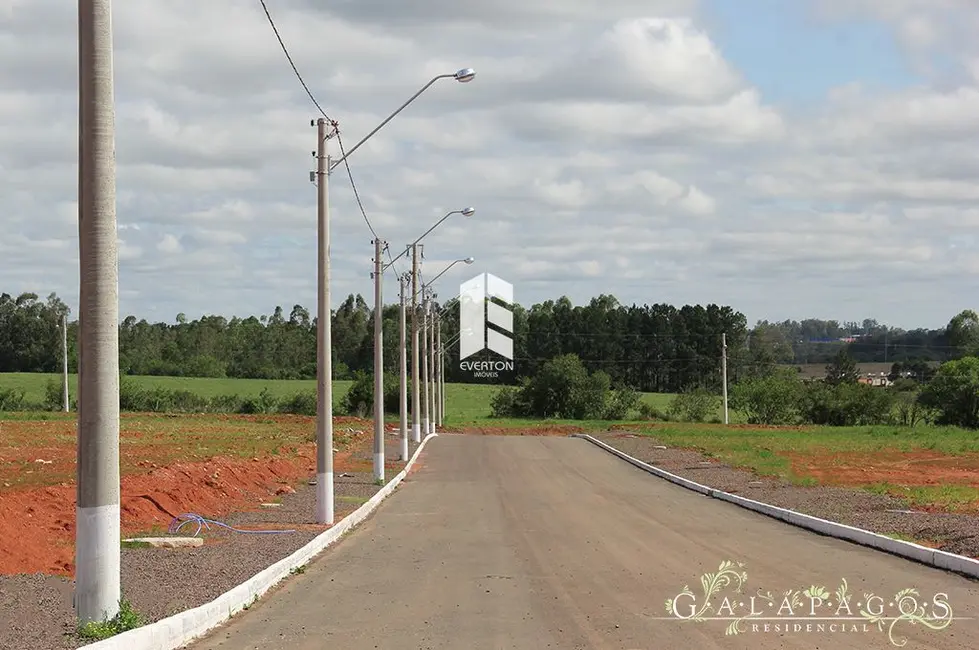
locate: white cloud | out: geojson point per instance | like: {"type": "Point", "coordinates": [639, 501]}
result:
{"type": "Point", "coordinates": [608, 146]}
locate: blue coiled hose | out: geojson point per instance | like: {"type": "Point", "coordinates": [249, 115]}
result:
{"type": "Point", "coordinates": [182, 520]}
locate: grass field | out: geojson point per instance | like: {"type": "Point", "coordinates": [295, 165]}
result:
{"type": "Point", "coordinates": [465, 403]}
{"type": "Point", "coordinates": [926, 465]}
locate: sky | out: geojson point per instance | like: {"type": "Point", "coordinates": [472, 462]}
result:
{"type": "Point", "coordinates": [813, 158]}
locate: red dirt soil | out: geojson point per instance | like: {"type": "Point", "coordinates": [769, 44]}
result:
{"type": "Point", "coordinates": [37, 518]}
{"type": "Point", "coordinates": [916, 468]}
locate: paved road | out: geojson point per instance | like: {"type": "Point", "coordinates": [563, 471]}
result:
{"type": "Point", "coordinates": [530, 543]}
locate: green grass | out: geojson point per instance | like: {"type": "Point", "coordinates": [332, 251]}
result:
{"type": "Point", "coordinates": [127, 619]}
{"type": "Point", "coordinates": [950, 497]}
{"type": "Point", "coordinates": [465, 403]}
{"type": "Point", "coordinates": [761, 449]}
{"type": "Point", "coordinates": [33, 385]}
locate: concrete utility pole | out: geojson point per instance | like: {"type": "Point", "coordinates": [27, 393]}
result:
{"type": "Point", "coordinates": [97, 543]}
{"type": "Point", "coordinates": [438, 372]}
{"type": "Point", "coordinates": [403, 354]}
{"type": "Point", "coordinates": [432, 391]}
{"type": "Point", "coordinates": [66, 399]}
{"type": "Point", "coordinates": [324, 356]}
{"type": "Point", "coordinates": [378, 364]}
{"type": "Point", "coordinates": [724, 372]}
{"type": "Point", "coordinates": [424, 354]}
{"type": "Point", "coordinates": [415, 379]}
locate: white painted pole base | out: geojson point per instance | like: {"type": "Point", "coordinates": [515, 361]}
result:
{"type": "Point", "coordinates": [416, 432]}
{"type": "Point", "coordinates": [404, 449]}
{"type": "Point", "coordinates": [378, 467]}
{"type": "Point", "coordinates": [97, 563]}
{"type": "Point", "coordinates": [324, 498]}
{"type": "Point", "coordinates": [425, 429]}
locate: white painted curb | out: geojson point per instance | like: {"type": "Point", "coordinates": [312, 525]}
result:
{"type": "Point", "coordinates": [909, 550]}
{"type": "Point", "coordinates": [180, 629]}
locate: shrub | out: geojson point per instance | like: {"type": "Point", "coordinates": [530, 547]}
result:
{"type": "Point", "coordinates": [12, 399]}
{"type": "Point", "coordinates": [649, 412]}
{"type": "Point", "coordinates": [506, 403]}
{"type": "Point", "coordinates": [846, 404]}
{"type": "Point", "coordinates": [562, 388]}
{"type": "Point", "coordinates": [265, 403]}
{"type": "Point", "coordinates": [694, 405]}
{"type": "Point", "coordinates": [772, 399]}
{"type": "Point", "coordinates": [621, 402]}
{"type": "Point", "coordinates": [954, 393]}
{"type": "Point", "coordinates": [359, 400]}
{"type": "Point", "coordinates": [300, 404]}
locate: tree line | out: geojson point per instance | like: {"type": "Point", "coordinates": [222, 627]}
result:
{"type": "Point", "coordinates": [655, 348]}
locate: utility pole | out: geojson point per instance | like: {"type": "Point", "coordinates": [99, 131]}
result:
{"type": "Point", "coordinates": [415, 380]}
{"type": "Point", "coordinates": [438, 373]}
{"type": "Point", "coordinates": [724, 372]}
{"type": "Point", "coordinates": [324, 357]}
{"type": "Point", "coordinates": [66, 399]}
{"type": "Point", "coordinates": [97, 534]}
{"type": "Point", "coordinates": [433, 391]}
{"type": "Point", "coordinates": [424, 353]}
{"type": "Point", "coordinates": [403, 353]}
{"type": "Point", "coordinates": [378, 365]}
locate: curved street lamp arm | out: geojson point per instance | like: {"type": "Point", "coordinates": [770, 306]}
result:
{"type": "Point", "coordinates": [333, 164]}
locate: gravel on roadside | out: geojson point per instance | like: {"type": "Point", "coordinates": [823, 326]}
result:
{"type": "Point", "coordinates": [885, 515]}
{"type": "Point", "coordinates": [36, 610]}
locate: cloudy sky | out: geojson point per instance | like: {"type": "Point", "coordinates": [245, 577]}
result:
{"type": "Point", "coordinates": [804, 158]}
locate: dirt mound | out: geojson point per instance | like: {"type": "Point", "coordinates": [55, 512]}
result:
{"type": "Point", "coordinates": [164, 474]}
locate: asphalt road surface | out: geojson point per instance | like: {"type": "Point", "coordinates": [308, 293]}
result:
{"type": "Point", "coordinates": [544, 542]}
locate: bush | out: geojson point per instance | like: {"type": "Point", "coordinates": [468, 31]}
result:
{"type": "Point", "coordinates": [160, 400]}
{"type": "Point", "coordinates": [649, 412]}
{"type": "Point", "coordinates": [265, 403]}
{"type": "Point", "coordinates": [621, 403]}
{"type": "Point", "coordinates": [12, 399]}
{"type": "Point", "coordinates": [300, 404]}
{"type": "Point", "coordinates": [773, 399]}
{"type": "Point", "coordinates": [695, 405]}
{"type": "Point", "coordinates": [359, 400]}
{"type": "Point", "coordinates": [562, 388]}
{"type": "Point", "coordinates": [506, 403]}
{"type": "Point", "coordinates": [954, 393]}
{"type": "Point", "coordinates": [909, 411]}
{"type": "Point", "coordinates": [846, 405]}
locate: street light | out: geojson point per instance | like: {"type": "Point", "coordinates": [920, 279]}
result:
{"type": "Point", "coordinates": [428, 362]}
{"type": "Point", "coordinates": [413, 247]}
{"type": "Point", "coordinates": [324, 344]}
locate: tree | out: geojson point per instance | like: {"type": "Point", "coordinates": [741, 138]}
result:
{"type": "Point", "coordinates": [962, 333]}
{"type": "Point", "coordinates": [771, 399]}
{"type": "Point", "coordinates": [842, 369]}
{"type": "Point", "coordinates": [954, 393]}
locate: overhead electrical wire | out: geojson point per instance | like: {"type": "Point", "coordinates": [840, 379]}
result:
{"type": "Point", "coordinates": [346, 163]}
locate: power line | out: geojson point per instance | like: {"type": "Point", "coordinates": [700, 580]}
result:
{"type": "Point", "coordinates": [285, 51]}
{"type": "Point", "coordinates": [312, 98]}
{"type": "Point", "coordinates": [353, 185]}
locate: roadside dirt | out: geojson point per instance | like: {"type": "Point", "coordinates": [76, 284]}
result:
{"type": "Point", "coordinates": [913, 468]}
{"type": "Point", "coordinates": [840, 498]}
{"type": "Point", "coordinates": [154, 489]}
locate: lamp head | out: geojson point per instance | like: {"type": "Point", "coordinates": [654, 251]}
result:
{"type": "Point", "coordinates": [465, 75]}
{"type": "Point", "coordinates": [469, 260]}
{"type": "Point", "coordinates": [468, 212]}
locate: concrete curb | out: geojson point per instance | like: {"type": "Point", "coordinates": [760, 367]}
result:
{"type": "Point", "coordinates": [180, 629]}
{"type": "Point", "coordinates": [908, 550]}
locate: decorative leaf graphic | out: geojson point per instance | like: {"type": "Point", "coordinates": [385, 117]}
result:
{"type": "Point", "coordinates": [817, 592]}
{"type": "Point", "coordinates": [733, 628]}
